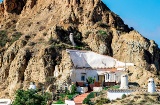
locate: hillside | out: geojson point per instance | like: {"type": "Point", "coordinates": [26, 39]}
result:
{"type": "Point", "coordinates": [34, 35]}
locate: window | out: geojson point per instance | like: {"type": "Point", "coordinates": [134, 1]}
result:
{"type": "Point", "coordinates": [108, 76]}
{"type": "Point", "coordinates": [83, 77]}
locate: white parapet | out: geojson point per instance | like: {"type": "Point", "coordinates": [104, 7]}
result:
{"type": "Point", "coordinates": [116, 94]}
{"type": "Point", "coordinates": [5, 102]}
{"type": "Point", "coordinates": [69, 102]}
{"type": "Point", "coordinates": [151, 86]}
{"type": "Point", "coordinates": [82, 89]}
{"type": "Point", "coordinates": [97, 89]}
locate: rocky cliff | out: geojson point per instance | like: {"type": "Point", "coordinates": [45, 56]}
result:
{"type": "Point", "coordinates": [35, 33]}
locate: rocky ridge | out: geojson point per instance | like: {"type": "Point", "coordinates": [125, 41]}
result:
{"type": "Point", "coordinates": [36, 33]}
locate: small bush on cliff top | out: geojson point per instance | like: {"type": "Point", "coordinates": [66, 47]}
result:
{"type": "Point", "coordinates": [16, 36]}
{"type": "Point", "coordinates": [101, 32]}
{"type": "Point", "coordinates": [3, 38]}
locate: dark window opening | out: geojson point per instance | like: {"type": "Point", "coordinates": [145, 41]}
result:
{"type": "Point", "coordinates": [82, 78]}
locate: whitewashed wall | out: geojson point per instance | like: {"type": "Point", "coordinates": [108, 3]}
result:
{"type": "Point", "coordinates": [69, 102]}
{"type": "Point", "coordinates": [76, 74]}
{"type": "Point", "coordinates": [5, 102]}
{"type": "Point", "coordinates": [115, 95]}
{"type": "Point", "coordinates": [97, 89]}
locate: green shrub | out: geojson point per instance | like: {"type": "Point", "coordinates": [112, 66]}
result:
{"type": "Point", "coordinates": [90, 80]}
{"type": "Point", "coordinates": [115, 87]}
{"type": "Point", "coordinates": [16, 36]}
{"type": "Point", "coordinates": [101, 32]}
{"type": "Point", "coordinates": [103, 25]}
{"type": "Point", "coordinates": [124, 96]}
{"type": "Point", "coordinates": [91, 95]}
{"type": "Point", "coordinates": [70, 97]}
{"type": "Point", "coordinates": [102, 101]}
{"type": "Point", "coordinates": [87, 100]}
{"type": "Point", "coordinates": [30, 97]}
{"type": "Point", "coordinates": [105, 88]}
{"type": "Point", "coordinates": [59, 102]}
{"type": "Point", "coordinates": [3, 38]}
{"type": "Point", "coordinates": [73, 89]}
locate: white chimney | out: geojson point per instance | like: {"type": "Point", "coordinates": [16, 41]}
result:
{"type": "Point", "coordinates": [124, 81]}
{"type": "Point", "coordinates": [71, 39]}
{"type": "Point", "coordinates": [151, 85]}
{"type": "Point", "coordinates": [32, 86]}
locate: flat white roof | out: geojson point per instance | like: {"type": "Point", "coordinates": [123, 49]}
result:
{"type": "Point", "coordinates": [91, 59]}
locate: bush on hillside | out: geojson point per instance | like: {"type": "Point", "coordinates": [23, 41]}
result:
{"type": "Point", "coordinates": [30, 97]}
{"type": "Point", "coordinates": [3, 38]}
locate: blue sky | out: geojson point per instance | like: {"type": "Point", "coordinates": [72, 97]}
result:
{"type": "Point", "coordinates": [143, 15]}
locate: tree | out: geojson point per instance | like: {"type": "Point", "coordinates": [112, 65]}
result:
{"type": "Point", "coordinates": [73, 89]}
{"type": "Point", "coordinates": [91, 80]}
{"type": "Point", "coordinates": [30, 97]}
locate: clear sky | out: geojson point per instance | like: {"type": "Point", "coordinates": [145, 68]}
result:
{"type": "Point", "coordinates": [143, 15]}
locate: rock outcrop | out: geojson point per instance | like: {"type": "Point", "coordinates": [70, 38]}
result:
{"type": "Point", "coordinates": [46, 25]}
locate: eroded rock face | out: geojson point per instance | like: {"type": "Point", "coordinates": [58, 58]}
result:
{"type": "Point", "coordinates": [14, 6]}
{"type": "Point", "coordinates": [137, 48]}
{"type": "Point", "coordinates": [1, 13]}
{"type": "Point", "coordinates": [46, 25]}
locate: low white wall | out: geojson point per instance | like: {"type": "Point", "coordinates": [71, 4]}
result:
{"type": "Point", "coordinates": [82, 89]}
{"type": "Point", "coordinates": [97, 89]}
{"type": "Point", "coordinates": [69, 102]}
{"type": "Point", "coordinates": [115, 95]}
{"type": "Point", "coordinates": [5, 102]}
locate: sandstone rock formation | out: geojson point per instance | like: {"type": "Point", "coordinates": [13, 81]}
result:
{"type": "Point", "coordinates": [45, 26]}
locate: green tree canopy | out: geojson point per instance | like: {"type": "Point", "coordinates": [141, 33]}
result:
{"type": "Point", "coordinates": [30, 97]}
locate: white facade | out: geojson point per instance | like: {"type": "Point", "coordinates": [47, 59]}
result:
{"type": "Point", "coordinates": [80, 75]}
{"type": "Point", "coordinates": [151, 86]}
{"type": "Point", "coordinates": [113, 76]}
{"type": "Point", "coordinates": [100, 66]}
